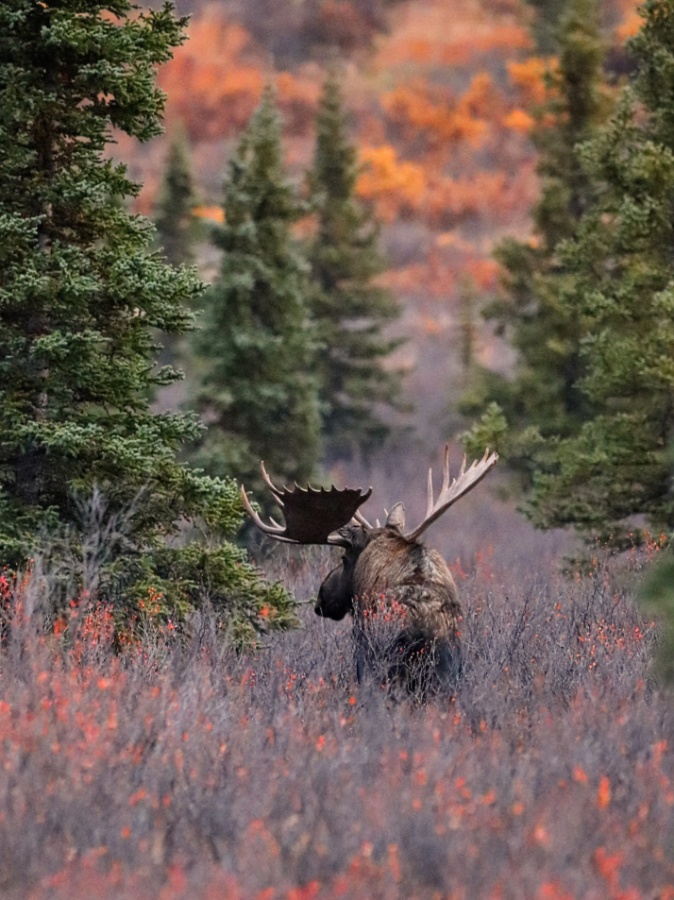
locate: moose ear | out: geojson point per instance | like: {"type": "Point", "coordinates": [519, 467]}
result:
{"type": "Point", "coordinates": [396, 518]}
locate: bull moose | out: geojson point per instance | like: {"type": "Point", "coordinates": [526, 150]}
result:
{"type": "Point", "coordinates": [385, 572]}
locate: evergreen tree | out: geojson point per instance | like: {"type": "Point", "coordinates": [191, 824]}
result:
{"type": "Point", "coordinates": [617, 463]}
{"type": "Point", "coordinates": [544, 397]}
{"type": "Point", "coordinates": [256, 387]}
{"type": "Point", "coordinates": [350, 311]}
{"type": "Point", "coordinates": [174, 219]}
{"type": "Point", "coordinates": [80, 298]}
{"type": "Point", "coordinates": [177, 228]}
{"type": "Point", "coordinates": [545, 27]}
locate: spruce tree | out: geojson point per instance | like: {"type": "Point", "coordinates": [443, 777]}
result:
{"type": "Point", "coordinates": [351, 312]}
{"type": "Point", "coordinates": [177, 229]}
{"type": "Point", "coordinates": [543, 396]}
{"type": "Point", "coordinates": [255, 350]}
{"type": "Point", "coordinates": [617, 464]}
{"type": "Point", "coordinates": [80, 299]}
{"type": "Point", "coordinates": [545, 27]}
{"type": "Point", "coordinates": [173, 217]}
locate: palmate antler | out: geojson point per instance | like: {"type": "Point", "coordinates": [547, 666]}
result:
{"type": "Point", "coordinates": [451, 492]}
{"type": "Point", "coordinates": [315, 516]}
{"type": "Point", "coordinates": [311, 516]}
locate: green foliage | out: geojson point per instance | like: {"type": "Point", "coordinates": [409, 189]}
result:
{"type": "Point", "coordinates": [546, 23]}
{"type": "Point", "coordinates": [177, 229]}
{"type": "Point", "coordinates": [350, 310]}
{"type": "Point", "coordinates": [182, 579]}
{"type": "Point", "coordinates": [80, 294]}
{"type": "Point", "coordinates": [657, 598]}
{"type": "Point", "coordinates": [173, 218]}
{"type": "Point", "coordinates": [592, 315]}
{"type": "Point", "coordinates": [617, 464]}
{"type": "Point", "coordinates": [255, 349]}
{"type": "Point", "coordinates": [536, 311]}
{"type": "Point", "coordinates": [490, 432]}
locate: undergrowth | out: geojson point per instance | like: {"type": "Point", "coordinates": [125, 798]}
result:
{"type": "Point", "coordinates": [169, 766]}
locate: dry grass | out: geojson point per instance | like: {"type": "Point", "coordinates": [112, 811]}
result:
{"type": "Point", "coordinates": [179, 770]}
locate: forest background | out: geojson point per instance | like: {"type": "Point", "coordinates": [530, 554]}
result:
{"type": "Point", "coordinates": [441, 100]}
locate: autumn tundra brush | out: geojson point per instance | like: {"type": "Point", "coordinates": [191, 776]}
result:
{"type": "Point", "coordinates": [401, 594]}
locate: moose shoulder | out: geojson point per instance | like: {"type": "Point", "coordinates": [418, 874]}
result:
{"type": "Point", "coordinates": [383, 568]}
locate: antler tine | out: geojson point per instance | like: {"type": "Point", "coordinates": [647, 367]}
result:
{"type": "Point", "coordinates": [361, 520]}
{"type": "Point", "coordinates": [445, 481]}
{"type": "Point", "coordinates": [453, 489]}
{"type": "Point", "coordinates": [445, 470]}
{"type": "Point", "coordinates": [274, 530]}
{"type": "Point", "coordinates": [430, 502]}
{"type": "Point", "coordinates": [270, 484]}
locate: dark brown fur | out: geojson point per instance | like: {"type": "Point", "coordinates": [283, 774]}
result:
{"type": "Point", "coordinates": [382, 569]}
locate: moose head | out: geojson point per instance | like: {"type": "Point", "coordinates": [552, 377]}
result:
{"type": "Point", "coordinates": [380, 562]}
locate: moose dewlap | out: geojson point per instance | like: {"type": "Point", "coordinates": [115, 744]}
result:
{"type": "Point", "coordinates": [401, 593]}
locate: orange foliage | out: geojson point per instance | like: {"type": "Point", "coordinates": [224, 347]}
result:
{"type": "Point", "coordinates": [450, 239]}
{"type": "Point", "coordinates": [444, 144]}
{"type": "Point", "coordinates": [212, 84]}
{"type": "Point", "coordinates": [395, 187]}
{"type": "Point", "coordinates": [529, 78]}
{"type": "Point", "coordinates": [630, 26]}
{"type": "Point", "coordinates": [604, 792]}
{"type": "Point", "coordinates": [214, 213]}
{"type": "Point", "coordinates": [450, 200]}
{"type": "Point", "coordinates": [215, 80]}
{"type": "Point", "coordinates": [628, 10]}
{"type": "Point", "coordinates": [442, 117]}
{"type": "Point", "coordinates": [519, 120]}
{"type": "Point", "coordinates": [439, 278]}
{"type": "Point", "coordinates": [401, 188]}
{"type": "Point", "coordinates": [421, 108]}
{"type": "Point", "coordinates": [485, 41]}
{"type": "Point", "coordinates": [494, 197]}
{"type": "Point", "coordinates": [482, 97]}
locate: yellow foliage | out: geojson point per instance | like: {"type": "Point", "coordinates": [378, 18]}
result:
{"type": "Point", "coordinates": [392, 184]}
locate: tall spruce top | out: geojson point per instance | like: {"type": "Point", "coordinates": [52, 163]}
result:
{"type": "Point", "coordinates": [255, 350]}
{"type": "Point", "coordinates": [358, 392]}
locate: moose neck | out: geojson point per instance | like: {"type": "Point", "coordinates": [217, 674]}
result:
{"type": "Point", "coordinates": [387, 559]}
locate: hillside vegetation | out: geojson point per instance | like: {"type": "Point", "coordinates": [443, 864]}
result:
{"type": "Point", "coordinates": [441, 98]}
{"type": "Point", "coordinates": [181, 770]}
{"type": "Point", "coordinates": [175, 722]}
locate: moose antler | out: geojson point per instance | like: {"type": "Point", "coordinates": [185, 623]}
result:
{"type": "Point", "coordinates": [311, 516]}
{"type": "Point", "coordinates": [450, 492]}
